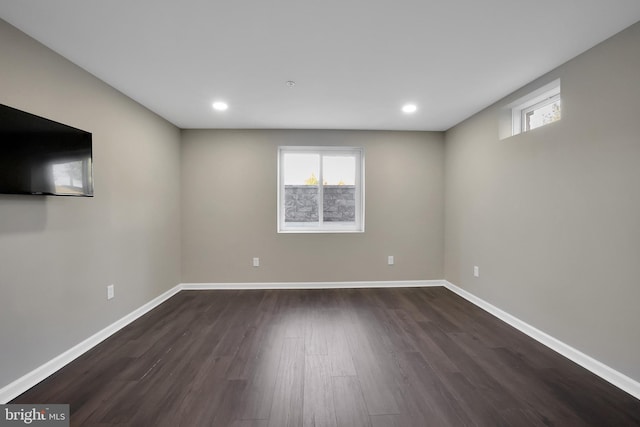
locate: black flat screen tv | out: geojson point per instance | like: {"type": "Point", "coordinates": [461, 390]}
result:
{"type": "Point", "coordinates": [40, 156]}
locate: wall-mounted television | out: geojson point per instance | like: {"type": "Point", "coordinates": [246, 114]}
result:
{"type": "Point", "coordinates": [40, 156]}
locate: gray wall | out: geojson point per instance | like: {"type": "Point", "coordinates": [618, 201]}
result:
{"type": "Point", "coordinates": [229, 182]}
{"type": "Point", "coordinates": [57, 255]}
{"type": "Point", "coordinates": [552, 217]}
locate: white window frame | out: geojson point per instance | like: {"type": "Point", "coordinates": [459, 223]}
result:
{"type": "Point", "coordinates": [539, 98]}
{"type": "Point", "coordinates": [527, 111]}
{"type": "Point", "coordinates": [321, 226]}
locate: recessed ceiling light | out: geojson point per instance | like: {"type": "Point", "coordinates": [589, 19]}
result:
{"type": "Point", "coordinates": [409, 108]}
{"type": "Point", "coordinates": [220, 106]}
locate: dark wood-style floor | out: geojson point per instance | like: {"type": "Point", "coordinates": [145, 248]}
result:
{"type": "Point", "coordinates": [370, 357]}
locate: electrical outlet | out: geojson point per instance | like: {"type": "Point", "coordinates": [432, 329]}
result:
{"type": "Point", "coordinates": [110, 291]}
{"type": "Point", "coordinates": [390, 260]}
{"type": "Point", "coordinates": [256, 262]}
{"type": "Point", "coordinates": [476, 271]}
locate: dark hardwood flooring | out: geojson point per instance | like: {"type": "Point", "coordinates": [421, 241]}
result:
{"type": "Point", "coordinates": [348, 357]}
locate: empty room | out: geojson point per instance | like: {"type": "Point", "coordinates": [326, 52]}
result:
{"type": "Point", "coordinates": [298, 213]}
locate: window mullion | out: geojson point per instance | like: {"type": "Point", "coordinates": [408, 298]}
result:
{"type": "Point", "coordinates": [281, 191]}
{"type": "Point", "coordinates": [321, 192]}
{"type": "Point", "coordinates": [358, 190]}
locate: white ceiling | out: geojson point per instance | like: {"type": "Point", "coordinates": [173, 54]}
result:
{"type": "Point", "coordinates": [355, 62]}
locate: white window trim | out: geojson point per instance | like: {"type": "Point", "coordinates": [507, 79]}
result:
{"type": "Point", "coordinates": [544, 95]}
{"type": "Point", "coordinates": [332, 227]}
{"type": "Point", "coordinates": [524, 112]}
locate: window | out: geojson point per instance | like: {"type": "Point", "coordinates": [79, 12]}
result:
{"type": "Point", "coordinates": [544, 112]}
{"type": "Point", "coordinates": [320, 189]}
{"type": "Point", "coordinates": [537, 109]}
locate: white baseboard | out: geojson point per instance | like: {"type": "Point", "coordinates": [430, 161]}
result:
{"type": "Point", "coordinates": [24, 383]}
{"type": "Point", "coordinates": [605, 372]}
{"type": "Point", "coordinates": [312, 285]}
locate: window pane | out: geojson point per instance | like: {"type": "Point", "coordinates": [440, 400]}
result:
{"type": "Point", "coordinates": [301, 169]}
{"type": "Point", "coordinates": [339, 170]}
{"type": "Point", "coordinates": [301, 172]}
{"type": "Point", "coordinates": [339, 190]}
{"type": "Point", "coordinates": [543, 115]}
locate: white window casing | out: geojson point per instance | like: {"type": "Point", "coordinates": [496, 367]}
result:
{"type": "Point", "coordinates": [301, 202]}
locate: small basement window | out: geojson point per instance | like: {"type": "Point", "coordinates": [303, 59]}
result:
{"type": "Point", "coordinates": [539, 108]}
{"type": "Point", "coordinates": [536, 109]}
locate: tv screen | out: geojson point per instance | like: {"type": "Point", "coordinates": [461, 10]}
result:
{"type": "Point", "coordinates": [40, 156]}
